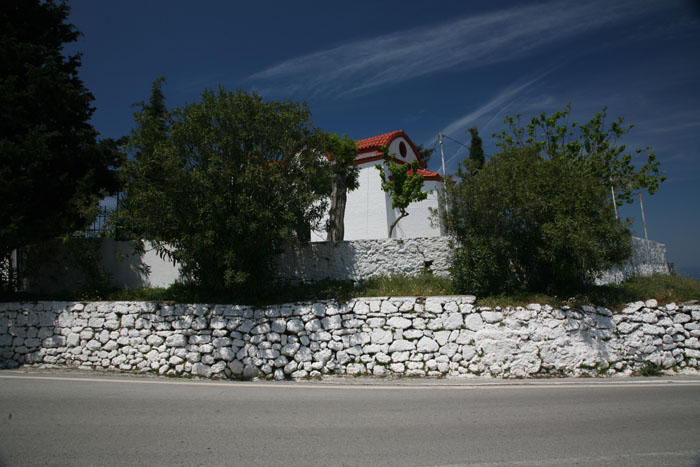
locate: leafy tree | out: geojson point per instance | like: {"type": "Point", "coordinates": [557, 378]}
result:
{"type": "Point", "coordinates": [425, 154]}
{"type": "Point", "coordinates": [342, 151]}
{"type": "Point", "coordinates": [403, 183]}
{"type": "Point", "coordinates": [591, 147]}
{"type": "Point", "coordinates": [223, 184]}
{"type": "Point", "coordinates": [476, 152]}
{"type": "Point", "coordinates": [525, 222]}
{"type": "Point", "coordinates": [53, 169]}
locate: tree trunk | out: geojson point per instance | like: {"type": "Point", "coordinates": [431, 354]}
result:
{"type": "Point", "coordinates": [339, 196]}
{"type": "Point", "coordinates": [403, 214]}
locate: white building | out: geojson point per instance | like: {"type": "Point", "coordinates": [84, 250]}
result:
{"type": "Point", "coordinates": [368, 213]}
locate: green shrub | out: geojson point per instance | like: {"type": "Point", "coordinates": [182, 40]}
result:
{"type": "Point", "coordinates": [526, 223]}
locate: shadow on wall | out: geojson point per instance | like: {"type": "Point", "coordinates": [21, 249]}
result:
{"type": "Point", "coordinates": [93, 264]}
{"type": "Point", "coordinates": [318, 261]}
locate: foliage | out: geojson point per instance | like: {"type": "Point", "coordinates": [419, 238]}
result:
{"type": "Point", "coordinates": [404, 184]}
{"type": "Point", "coordinates": [53, 170]}
{"type": "Point", "coordinates": [650, 369]}
{"type": "Point", "coordinates": [396, 285]}
{"type": "Point", "coordinates": [525, 223]}
{"type": "Point", "coordinates": [342, 152]}
{"type": "Point", "coordinates": [476, 152]}
{"type": "Point", "coordinates": [73, 262]}
{"type": "Point", "coordinates": [221, 185]}
{"type": "Point", "coordinates": [424, 154]}
{"type": "Point", "coordinates": [665, 289]}
{"type": "Point", "coordinates": [275, 294]}
{"type": "Point", "coordinates": [591, 147]}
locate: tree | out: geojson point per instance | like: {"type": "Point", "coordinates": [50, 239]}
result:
{"type": "Point", "coordinates": [525, 222]}
{"type": "Point", "coordinates": [476, 152]}
{"type": "Point", "coordinates": [425, 154]}
{"type": "Point", "coordinates": [53, 169]}
{"type": "Point", "coordinates": [342, 151]}
{"type": "Point", "coordinates": [223, 184]}
{"type": "Point", "coordinates": [403, 183]}
{"type": "Point", "coordinates": [591, 147]}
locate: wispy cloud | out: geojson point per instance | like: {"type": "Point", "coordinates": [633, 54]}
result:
{"type": "Point", "coordinates": [470, 42]}
{"type": "Point", "coordinates": [675, 128]}
{"type": "Point", "coordinates": [492, 109]}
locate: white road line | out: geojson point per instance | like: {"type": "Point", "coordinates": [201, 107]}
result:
{"type": "Point", "coordinates": [592, 460]}
{"type": "Point", "coordinates": [354, 386]}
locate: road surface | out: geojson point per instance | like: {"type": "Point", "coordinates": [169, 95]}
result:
{"type": "Point", "coordinates": [76, 419]}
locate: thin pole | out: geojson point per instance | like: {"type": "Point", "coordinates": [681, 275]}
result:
{"type": "Point", "coordinates": [612, 190]}
{"type": "Point", "coordinates": [644, 219]}
{"type": "Point", "coordinates": [444, 173]}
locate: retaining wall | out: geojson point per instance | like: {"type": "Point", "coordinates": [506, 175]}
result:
{"type": "Point", "coordinates": [381, 336]}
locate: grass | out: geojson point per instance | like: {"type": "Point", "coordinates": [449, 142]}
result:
{"type": "Point", "coordinates": [423, 285]}
{"type": "Point", "coordinates": [663, 288]}
{"type": "Point", "coordinates": [650, 369]}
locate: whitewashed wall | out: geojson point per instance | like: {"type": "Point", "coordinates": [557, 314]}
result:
{"type": "Point", "coordinates": [362, 259]}
{"type": "Point", "coordinates": [368, 213]}
{"type": "Point", "coordinates": [648, 258]}
{"type": "Point", "coordinates": [380, 336]}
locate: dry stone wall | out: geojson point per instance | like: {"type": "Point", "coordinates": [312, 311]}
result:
{"type": "Point", "coordinates": [380, 336]}
{"type": "Point", "coordinates": [362, 259]}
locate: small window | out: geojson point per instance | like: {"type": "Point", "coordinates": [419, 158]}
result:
{"type": "Point", "coordinates": [402, 149]}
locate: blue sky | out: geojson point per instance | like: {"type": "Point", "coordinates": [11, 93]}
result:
{"type": "Point", "coordinates": [371, 67]}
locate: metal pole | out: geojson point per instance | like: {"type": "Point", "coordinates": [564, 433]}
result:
{"type": "Point", "coordinates": [444, 173]}
{"type": "Point", "coordinates": [612, 190]}
{"type": "Point", "coordinates": [644, 219]}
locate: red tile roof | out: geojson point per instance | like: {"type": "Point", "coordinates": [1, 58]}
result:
{"type": "Point", "coordinates": [374, 145]}
{"type": "Point", "coordinates": [429, 174]}
{"type": "Point", "coordinates": [376, 142]}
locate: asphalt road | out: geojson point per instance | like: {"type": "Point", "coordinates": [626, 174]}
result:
{"type": "Point", "coordinates": [79, 420]}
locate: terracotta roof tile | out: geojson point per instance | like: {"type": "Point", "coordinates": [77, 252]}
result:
{"type": "Point", "coordinates": [376, 142]}
{"type": "Point", "coordinates": [428, 174]}
{"type": "Point", "coordinates": [374, 145]}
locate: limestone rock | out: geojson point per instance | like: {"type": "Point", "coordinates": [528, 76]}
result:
{"type": "Point", "coordinates": [425, 344]}
{"type": "Point", "coordinates": [398, 322]}
{"type": "Point", "coordinates": [403, 345]}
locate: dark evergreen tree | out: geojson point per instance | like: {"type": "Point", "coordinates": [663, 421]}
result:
{"type": "Point", "coordinates": [476, 152]}
{"type": "Point", "coordinates": [53, 169]}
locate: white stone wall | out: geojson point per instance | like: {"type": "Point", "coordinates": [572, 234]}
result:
{"type": "Point", "coordinates": [648, 258]}
{"type": "Point", "coordinates": [356, 260]}
{"type": "Point", "coordinates": [380, 336]}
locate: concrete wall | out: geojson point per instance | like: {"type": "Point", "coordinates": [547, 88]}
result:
{"type": "Point", "coordinates": [380, 336]}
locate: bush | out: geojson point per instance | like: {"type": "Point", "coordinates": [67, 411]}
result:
{"type": "Point", "coordinates": [526, 223]}
{"type": "Point", "coordinates": [222, 185]}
